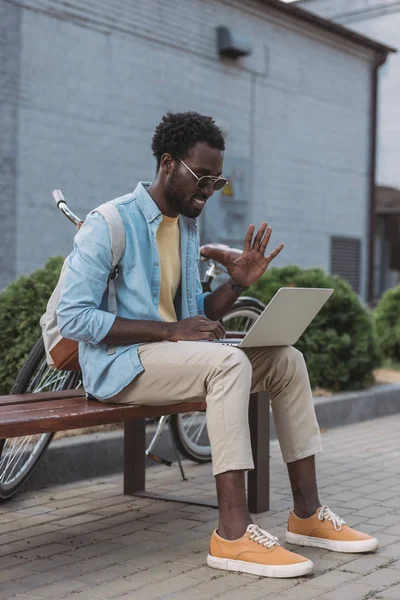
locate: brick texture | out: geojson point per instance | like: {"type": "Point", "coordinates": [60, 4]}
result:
{"type": "Point", "coordinates": [9, 83]}
{"type": "Point", "coordinates": [95, 78]}
{"type": "Point", "coordinates": [141, 547]}
{"type": "Point", "coordinates": [378, 19]}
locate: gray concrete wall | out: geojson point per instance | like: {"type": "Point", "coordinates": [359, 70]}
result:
{"type": "Point", "coordinates": [312, 147]}
{"type": "Point", "coordinates": [349, 11]}
{"type": "Point", "coordinates": [96, 79]}
{"type": "Point", "coordinates": [9, 92]}
{"type": "Point", "coordinates": [379, 19]}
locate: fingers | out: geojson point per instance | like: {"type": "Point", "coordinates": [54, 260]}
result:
{"type": "Point", "coordinates": [261, 239]}
{"type": "Point", "coordinates": [213, 330]}
{"type": "Point", "coordinates": [274, 253]}
{"type": "Point", "coordinates": [221, 330]}
{"type": "Point", "coordinates": [265, 241]}
{"type": "Point", "coordinates": [259, 236]}
{"type": "Point", "coordinates": [248, 238]}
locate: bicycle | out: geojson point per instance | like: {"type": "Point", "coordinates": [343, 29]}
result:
{"type": "Point", "coordinates": [20, 456]}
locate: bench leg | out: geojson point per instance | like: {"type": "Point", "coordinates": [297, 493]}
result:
{"type": "Point", "coordinates": [258, 479]}
{"type": "Point", "coordinates": [134, 456]}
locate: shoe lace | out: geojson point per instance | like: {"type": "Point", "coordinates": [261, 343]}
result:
{"type": "Point", "coordinates": [262, 537]}
{"type": "Point", "coordinates": [325, 513]}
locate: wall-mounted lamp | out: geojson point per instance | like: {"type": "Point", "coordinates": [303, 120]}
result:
{"type": "Point", "coordinates": [233, 43]}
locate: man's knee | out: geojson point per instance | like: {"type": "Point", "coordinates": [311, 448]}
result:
{"type": "Point", "coordinates": [237, 358]}
{"type": "Point", "coordinates": [290, 361]}
{"type": "Point", "coordinates": [233, 358]}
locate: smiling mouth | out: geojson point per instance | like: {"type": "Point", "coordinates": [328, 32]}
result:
{"type": "Point", "coordinates": [199, 202]}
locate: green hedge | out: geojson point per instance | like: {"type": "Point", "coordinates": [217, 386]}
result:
{"type": "Point", "coordinates": [22, 303]}
{"type": "Point", "coordinates": [387, 318]}
{"type": "Point", "coordinates": [340, 346]}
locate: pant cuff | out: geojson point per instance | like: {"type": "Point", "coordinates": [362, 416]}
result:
{"type": "Point", "coordinates": [315, 449]}
{"type": "Point", "coordinates": [246, 466]}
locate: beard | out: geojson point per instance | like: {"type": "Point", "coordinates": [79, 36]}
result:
{"type": "Point", "coordinates": [179, 200]}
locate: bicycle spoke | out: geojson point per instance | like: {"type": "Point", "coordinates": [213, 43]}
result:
{"type": "Point", "coordinates": [16, 445]}
{"type": "Point", "coordinates": [18, 458]}
{"type": "Point", "coordinates": [200, 430]}
{"type": "Point", "coordinates": [192, 419]}
{"type": "Point", "coordinates": [194, 428]}
{"type": "Point", "coordinates": [8, 454]}
{"type": "Point", "coordinates": [53, 378]}
{"type": "Point", "coordinates": [49, 379]}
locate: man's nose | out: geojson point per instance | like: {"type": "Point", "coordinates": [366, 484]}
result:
{"type": "Point", "coordinates": [208, 190]}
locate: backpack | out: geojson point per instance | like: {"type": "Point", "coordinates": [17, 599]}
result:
{"type": "Point", "coordinates": [60, 352]}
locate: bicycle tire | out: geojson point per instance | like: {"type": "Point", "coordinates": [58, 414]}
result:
{"type": "Point", "coordinates": [20, 456]}
{"type": "Point", "coordinates": [249, 309]}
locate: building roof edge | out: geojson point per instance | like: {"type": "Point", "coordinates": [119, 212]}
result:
{"type": "Point", "coordinates": [322, 23]}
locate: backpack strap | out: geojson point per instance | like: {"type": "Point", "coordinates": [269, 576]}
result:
{"type": "Point", "coordinates": [117, 239]}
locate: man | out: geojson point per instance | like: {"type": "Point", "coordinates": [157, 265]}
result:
{"type": "Point", "coordinates": [160, 303]}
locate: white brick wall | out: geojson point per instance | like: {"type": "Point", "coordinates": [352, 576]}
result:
{"type": "Point", "coordinates": [315, 155]}
{"type": "Point", "coordinates": [9, 79]}
{"type": "Point", "coordinates": [338, 9]}
{"type": "Point", "coordinates": [378, 19]}
{"type": "Point", "coordinates": [96, 77]}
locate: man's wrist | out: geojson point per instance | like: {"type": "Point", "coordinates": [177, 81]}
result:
{"type": "Point", "coordinates": [169, 332]}
{"type": "Point", "coordinates": [238, 289]}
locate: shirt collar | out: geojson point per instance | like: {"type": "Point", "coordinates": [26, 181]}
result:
{"type": "Point", "coordinates": [150, 208]}
{"type": "Point", "coordinates": [147, 204]}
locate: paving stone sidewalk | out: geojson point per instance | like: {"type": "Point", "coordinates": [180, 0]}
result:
{"type": "Point", "coordinates": [88, 541]}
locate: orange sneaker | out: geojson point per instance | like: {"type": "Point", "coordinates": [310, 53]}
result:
{"type": "Point", "coordinates": [256, 552]}
{"type": "Point", "coordinates": [327, 530]}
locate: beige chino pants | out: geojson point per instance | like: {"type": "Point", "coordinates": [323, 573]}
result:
{"type": "Point", "coordinates": [224, 376]}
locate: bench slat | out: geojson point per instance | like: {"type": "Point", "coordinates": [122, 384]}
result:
{"type": "Point", "coordinates": [48, 416]}
{"type": "Point", "coordinates": [40, 397]}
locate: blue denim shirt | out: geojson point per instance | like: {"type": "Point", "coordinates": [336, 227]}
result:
{"type": "Point", "coordinates": [82, 310]}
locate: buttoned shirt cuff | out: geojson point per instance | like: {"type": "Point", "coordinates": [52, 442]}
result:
{"type": "Point", "coordinates": [100, 325]}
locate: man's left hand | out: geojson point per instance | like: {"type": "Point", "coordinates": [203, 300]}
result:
{"type": "Point", "coordinates": [252, 263]}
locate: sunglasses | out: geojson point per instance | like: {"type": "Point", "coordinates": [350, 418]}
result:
{"type": "Point", "coordinates": [202, 182]}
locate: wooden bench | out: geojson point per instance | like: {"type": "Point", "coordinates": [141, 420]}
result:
{"type": "Point", "coordinates": [70, 409]}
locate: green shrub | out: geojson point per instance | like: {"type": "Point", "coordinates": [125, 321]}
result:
{"type": "Point", "coordinates": [22, 303]}
{"type": "Point", "coordinates": [340, 346]}
{"type": "Point", "coordinates": [387, 318]}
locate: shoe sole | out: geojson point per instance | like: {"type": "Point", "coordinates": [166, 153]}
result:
{"type": "Point", "coordinates": [350, 547]}
{"type": "Point", "coordinates": [277, 571]}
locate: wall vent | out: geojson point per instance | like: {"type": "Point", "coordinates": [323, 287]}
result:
{"type": "Point", "coordinates": [346, 260]}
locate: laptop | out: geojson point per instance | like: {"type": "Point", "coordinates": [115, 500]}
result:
{"type": "Point", "coordinates": [284, 319]}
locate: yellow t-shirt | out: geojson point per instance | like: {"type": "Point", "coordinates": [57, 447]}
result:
{"type": "Point", "coordinates": [168, 243]}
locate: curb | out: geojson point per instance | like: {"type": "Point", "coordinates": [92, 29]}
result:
{"type": "Point", "coordinates": [355, 407]}
{"type": "Point", "coordinates": [101, 454]}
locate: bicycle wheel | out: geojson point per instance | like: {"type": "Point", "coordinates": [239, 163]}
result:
{"type": "Point", "coordinates": [19, 456]}
{"type": "Point", "coordinates": [190, 429]}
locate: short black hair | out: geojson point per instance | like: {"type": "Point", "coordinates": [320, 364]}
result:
{"type": "Point", "coordinates": [178, 133]}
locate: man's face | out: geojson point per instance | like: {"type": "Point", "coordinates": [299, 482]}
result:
{"type": "Point", "coordinates": [181, 191]}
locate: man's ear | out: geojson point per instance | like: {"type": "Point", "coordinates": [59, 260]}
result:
{"type": "Point", "coordinates": [167, 163]}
